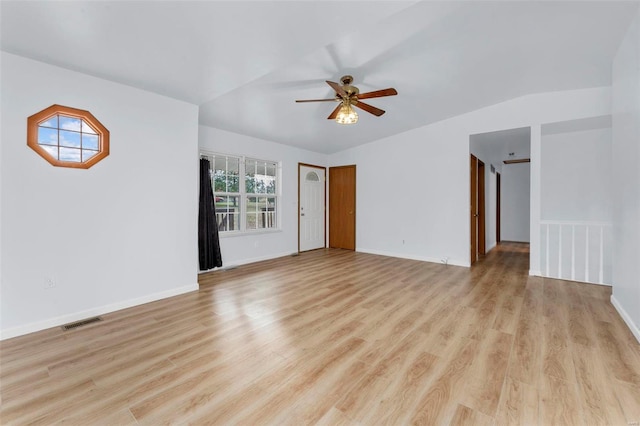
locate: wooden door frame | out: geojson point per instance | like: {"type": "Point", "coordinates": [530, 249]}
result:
{"type": "Point", "coordinates": [355, 174]}
{"type": "Point", "coordinates": [482, 246]}
{"type": "Point", "coordinates": [473, 221]}
{"type": "Point", "coordinates": [324, 200]}
{"type": "Point", "coordinates": [477, 211]}
{"type": "Point", "coordinates": [498, 196]}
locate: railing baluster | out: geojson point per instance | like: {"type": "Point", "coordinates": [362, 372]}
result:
{"type": "Point", "coordinates": [573, 252]}
{"type": "Point", "coordinates": [601, 277]}
{"type": "Point", "coordinates": [560, 251]}
{"type": "Point", "coordinates": [547, 252]}
{"type": "Point", "coordinates": [586, 253]}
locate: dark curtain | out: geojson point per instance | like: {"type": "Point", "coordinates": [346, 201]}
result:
{"type": "Point", "coordinates": [208, 241]}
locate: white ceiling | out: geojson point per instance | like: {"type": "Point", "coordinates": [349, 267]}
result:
{"type": "Point", "coordinates": [244, 63]}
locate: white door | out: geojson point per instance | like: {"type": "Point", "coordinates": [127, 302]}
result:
{"type": "Point", "coordinates": [311, 207]}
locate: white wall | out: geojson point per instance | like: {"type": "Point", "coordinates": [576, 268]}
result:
{"type": "Point", "coordinates": [626, 178]}
{"type": "Point", "coordinates": [121, 233]}
{"type": "Point", "coordinates": [414, 187]}
{"type": "Point", "coordinates": [515, 203]}
{"type": "Point", "coordinates": [576, 175]}
{"type": "Point", "coordinates": [255, 246]}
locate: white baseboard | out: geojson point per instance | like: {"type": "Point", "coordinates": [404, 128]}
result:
{"type": "Point", "coordinates": [412, 257]}
{"type": "Point", "coordinates": [248, 261]}
{"type": "Point", "coordinates": [626, 318]}
{"type": "Point", "coordinates": [101, 310]}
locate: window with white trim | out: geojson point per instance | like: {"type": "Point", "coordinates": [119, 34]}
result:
{"type": "Point", "coordinates": [246, 192]}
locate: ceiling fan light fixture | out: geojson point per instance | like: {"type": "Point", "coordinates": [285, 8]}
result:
{"type": "Point", "coordinates": [347, 115]}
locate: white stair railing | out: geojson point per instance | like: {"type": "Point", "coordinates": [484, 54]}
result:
{"type": "Point", "coordinates": [576, 250]}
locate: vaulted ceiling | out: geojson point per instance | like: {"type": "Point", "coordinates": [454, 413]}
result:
{"type": "Point", "coordinates": [244, 63]}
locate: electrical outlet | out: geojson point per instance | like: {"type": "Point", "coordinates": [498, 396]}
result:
{"type": "Point", "coordinates": [49, 282]}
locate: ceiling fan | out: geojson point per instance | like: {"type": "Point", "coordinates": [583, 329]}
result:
{"type": "Point", "coordinates": [349, 96]}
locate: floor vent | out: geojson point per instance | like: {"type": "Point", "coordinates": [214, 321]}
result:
{"type": "Point", "coordinates": [80, 323]}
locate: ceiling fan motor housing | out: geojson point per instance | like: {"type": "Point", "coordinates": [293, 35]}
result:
{"type": "Point", "coordinates": [347, 87]}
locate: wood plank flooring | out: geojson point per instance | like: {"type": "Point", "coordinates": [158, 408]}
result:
{"type": "Point", "coordinates": [334, 337]}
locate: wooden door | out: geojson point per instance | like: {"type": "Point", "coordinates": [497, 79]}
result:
{"type": "Point", "coordinates": [473, 208]}
{"type": "Point", "coordinates": [311, 207]}
{"type": "Point", "coordinates": [342, 207]}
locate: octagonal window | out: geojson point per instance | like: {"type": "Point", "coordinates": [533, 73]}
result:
{"type": "Point", "coordinates": [68, 137]}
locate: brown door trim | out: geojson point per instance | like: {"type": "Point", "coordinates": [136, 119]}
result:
{"type": "Point", "coordinates": [473, 219]}
{"type": "Point", "coordinates": [498, 195]}
{"type": "Point", "coordinates": [481, 210]}
{"type": "Point", "coordinates": [324, 200]}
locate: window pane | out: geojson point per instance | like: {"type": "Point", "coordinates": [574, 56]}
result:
{"type": "Point", "coordinates": [52, 150]}
{"type": "Point", "coordinates": [270, 185]}
{"type": "Point", "coordinates": [70, 139]}
{"type": "Point", "coordinates": [252, 221]}
{"type": "Point", "coordinates": [90, 141]}
{"type": "Point", "coordinates": [70, 154]}
{"type": "Point", "coordinates": [227, 220]}
{"type": "Point", "coordinates": [249, 176]}
{"type": "Point", "coordinates": [233, 184]}
{"type": "Point", "coordinates": [52, 122]}
{"type": "Point", "coordinates": [271, 169]}
{"type": "Point", "coordinates": [233, 167]}
{"type": "Point", "coordinates": [220, 164]}
{"type": "Point", "coordinates": [250, 185]}
{"type": "Point", "coordinates": [86, 128]}
{"type": "Point", "coordinates": [70, 123]}
{"type": "Point", "coordinates": [47, 136]}
{"type": "Point", "coordinates": [250, 167]}
{"type": "Point", "coordinates": [219, 182]}
{"type": "Point", "coordinates": [252, 204]}
{"type": "Point", "coordinates": [260, 184]}
{"type": "Point", "coordinates": [227, 203]}
{"type": "Point", "coordinates": [269, 215]}
{"type": "Point", "coordinates": [87, 154]}
{"type": "Point", "coordinates": [261, 168]}
{"type": "Point", "coordinates": [227, 212]}
{"type": "Point", "coordinates": [233, 222]}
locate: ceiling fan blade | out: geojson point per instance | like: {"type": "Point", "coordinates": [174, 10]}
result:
{"type": "Point", "coordinates": [373, 110]}
{"type": "Point", "coordinates": [334, 114]}
{"type": "Point", "coordinates": [339, 90]}
{"type": "Point", "coordinates": [378, 93]}
{"type": "Point", "coordinates": [317, 100]}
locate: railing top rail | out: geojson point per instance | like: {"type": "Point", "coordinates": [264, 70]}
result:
{"type": "Point", "coordinates": [576, 223]}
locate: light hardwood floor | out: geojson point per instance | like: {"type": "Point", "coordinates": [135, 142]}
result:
{"type": "Point", "coordinates": [333, 337]}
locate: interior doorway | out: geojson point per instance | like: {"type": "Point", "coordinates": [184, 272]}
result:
{"type": "Point", "coordinates": [311, 207]}
{"type": "Point", "coordinates": [477, 209]}
{"type": "Point", "coordinates": [342, 207]}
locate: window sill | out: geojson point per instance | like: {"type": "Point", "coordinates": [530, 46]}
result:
{"type": "Point", "coordinates": [248, 233]}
